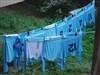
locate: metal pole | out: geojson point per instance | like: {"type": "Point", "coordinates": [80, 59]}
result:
{"type": "Point", "coordinates": [96, 52]}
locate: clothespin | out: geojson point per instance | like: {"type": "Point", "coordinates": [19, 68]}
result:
{"type": "Point", "coordinates": [28, 33]}
{"type": "Point", "coordinates": [72, 15]}
{"type": "Point", "coordinates": [75, 33]}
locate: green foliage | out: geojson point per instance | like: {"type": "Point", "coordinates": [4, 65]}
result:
{"type": "Point", "coordinates": [55, 7]}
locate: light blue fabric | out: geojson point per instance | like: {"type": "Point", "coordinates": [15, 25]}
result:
{"type": "Point", "coordinates": [50, 30]}
{"type": "Point", "coordinates": [68, 18]}
{"type": "Point", "coordinates": [79, 51]}
{"type": "Point", "coordinates": [11, 53]}
{"type": "Point", "coordinates": [52, 49]}
{"type": "Point", "coordinates": [80, 19]}
{"type": "Point", "coordinates": [10, 40]}
{"type": "Point", "coordinates": [61, 27]}
{"type": "Point", "coordinates": [32, 32]}
{"type": "Point", "coordinates": [58, 22]}
{"type": "Point", "coordinates": [90, 13]}
{"type": "Point", "coordinates": [72, 45]}
{"type": "Point", "coordinates": [67, 26]}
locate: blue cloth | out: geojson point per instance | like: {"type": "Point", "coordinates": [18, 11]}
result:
{"type": "Point", "coordinates": [37, 32]}
{"type": "Point", "coordinates": [79, 51]}
{"type": "Point", "coordinates": [68, 18]}
{"type": "Point", "coordinates": [90, 13]}
{"type": "Point", "coordinates": [18, 47]}
{"type": "Point", "coordinates": [10, 41]}
{"type": "Point", "coordinates": [61, 27]}
{"type": "Point", "coordinates": [33, 32]}
{"type": "Point", "coordinates": [67, 26]}
{"type": "Point", "coordinates": [52, 49]}
{"type": "Point", "coordinates": [72, 45]}
{"type": "Point", "coordinates": [50, 30]}
{"type": "Point", "coordinates": [12, 50]}
{"type": "Point", "coordinates": [80, 21]}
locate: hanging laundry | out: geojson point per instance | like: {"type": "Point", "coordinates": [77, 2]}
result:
{"type": "Point", "coordinates": [72, 45]}
{"type": "Point", "coordinates": [10, 40]}
{"type": "Point", "coordinates": [34, 46]}
{"type": "Point", "coordinates": [67, 26]}
{"type": "Point", "coordinates": [33, 49]}
{"type": "Point", "coordinates": [80, 21]}
{"type": "Point", "coordinates": [50, 30]}
{"type": "Point", "coordinates": [52, 48]}
{"type": "Point", "coordinates": [90, 13]}
{"type": "Point", "coordinates": [18, 47]}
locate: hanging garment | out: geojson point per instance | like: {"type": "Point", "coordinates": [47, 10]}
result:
{"type": "Point", "coordinates": [18, 47]}
{"type": "Point", "coordinates": [80, 21]}
{"type": "Point", "coordinates": [17, 52]}
{"type": "Point", "coordinates": [67, 26]}
{"type": "Point", "coordinates": [33, 33]}
{"type": "Point", "coordinates": [10, 41]}
{"type": "Point", "coordinates": [50, 30]}
{"type": "Point", "coordinates": [52, 48]}
{"type": "Point", "coordinates": [34, 46]}
{"type": "Point", "coordinates": [79, 51]}
{"type": "Point", "coordinates": [33, 49]}
{"type": "Point", "coordinates": [90, 13]}
{"type": "Point", "coordinates": [72, 45]}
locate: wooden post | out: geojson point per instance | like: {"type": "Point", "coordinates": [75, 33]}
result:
{"type": "Point", "coordinates": [96, 53]}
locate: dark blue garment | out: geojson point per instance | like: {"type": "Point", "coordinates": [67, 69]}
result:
{"type": "Point", "coordinates": [18, 47]}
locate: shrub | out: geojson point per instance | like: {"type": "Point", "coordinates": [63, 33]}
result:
{"type": "Point", "coordinates": [52, 7]}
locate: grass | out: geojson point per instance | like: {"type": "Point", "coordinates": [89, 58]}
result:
{"type": "Point", "coordinates": [14, 22]}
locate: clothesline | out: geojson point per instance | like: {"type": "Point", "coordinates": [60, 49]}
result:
{"type": "Point", "coordinates": [72, 33]}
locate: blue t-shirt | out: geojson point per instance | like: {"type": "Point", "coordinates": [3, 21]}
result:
{"type": "Point", "coordinates": [80, 21]}
{"type": "Point", "coordinates": [90, 13]}
{"type": "Point", "coordinates": [67, 26]}
{"type": "Point", "coordinates": [72, 44]}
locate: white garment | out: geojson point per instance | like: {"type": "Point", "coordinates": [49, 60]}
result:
{"type": "Point", "coordinates": [33, 49]}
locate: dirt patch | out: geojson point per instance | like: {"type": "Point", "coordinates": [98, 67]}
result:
{"type": "Point", "coordinates": [23, 8]}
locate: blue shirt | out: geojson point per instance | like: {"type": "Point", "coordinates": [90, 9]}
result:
{"type": "Point", "coordinates": [67, 26]}
{"type": "Point", "coordinates": [10, 41]}
{"type": "Point", "coordinates": [52, 48]}
{"type": "Point", "coordinates": [90, 13]}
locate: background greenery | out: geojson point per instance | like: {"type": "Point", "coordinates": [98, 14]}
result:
{"type": "Point", "coordinates": [17, 21]}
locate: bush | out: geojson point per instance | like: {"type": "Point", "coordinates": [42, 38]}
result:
{"type": "Point", "coordinates": [52, 7]}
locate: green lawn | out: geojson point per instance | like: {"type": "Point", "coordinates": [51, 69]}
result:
{"type": "Point", "coordinates": [16, 22]}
